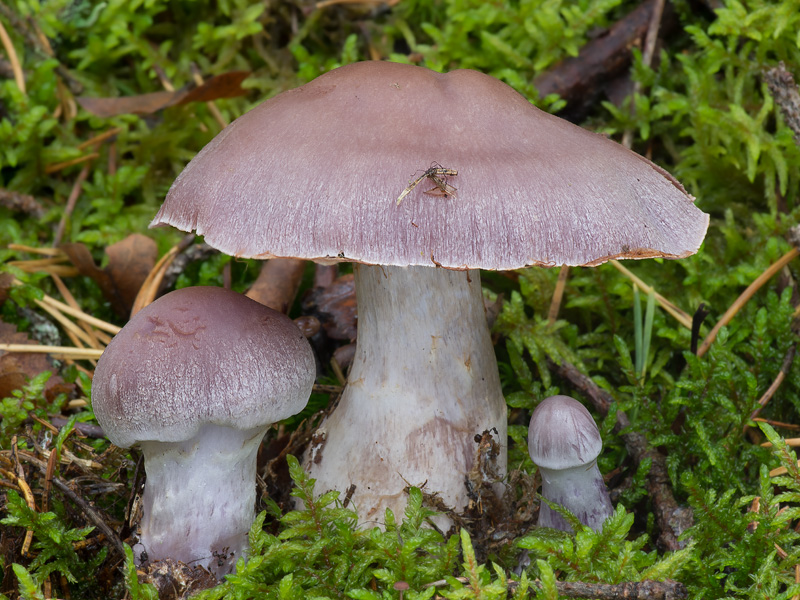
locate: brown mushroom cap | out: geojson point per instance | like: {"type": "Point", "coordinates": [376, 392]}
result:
{"type": "Point", "coordinates": [563, 434]}
{"type": "Point", "coordinates": [316, 172]}
{"type": "Point", "coordinates": [197, 356]}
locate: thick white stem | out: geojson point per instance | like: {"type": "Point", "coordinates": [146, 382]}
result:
{"type": "Point", "coordinates": [581, 490]}
{"type": "Point", "coordinates": [423, 383]}
{"type": "Point", "coordinates": [199, 498]}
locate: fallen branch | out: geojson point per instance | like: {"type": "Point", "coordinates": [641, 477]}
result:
{"type": "Point", "coordinates": [628, 590]}
{"type": "Point", "coordinates": [784, 90]}
{"type": "Point", "coordinates": [85, 506]}
{"type": "Point", "coordinates": [581, 79]}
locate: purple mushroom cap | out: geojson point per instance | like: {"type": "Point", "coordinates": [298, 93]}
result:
{"type": "Point", "coordinates": [196, 378]}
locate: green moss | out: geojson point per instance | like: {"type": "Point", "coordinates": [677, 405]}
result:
{"type": "Point", "coordinates": [703, 112]}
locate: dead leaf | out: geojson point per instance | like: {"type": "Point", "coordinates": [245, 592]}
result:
{"type": "Point", "coordinates": [143, 104]}
{"type": "Point", "coordinates": [335, 307]}
{"type": "Point", "coordinates": [129, 262]}
{"type": "Point", "coordinates": [226, 85]}
{"type": "Point", "coordinates": [17, 368]}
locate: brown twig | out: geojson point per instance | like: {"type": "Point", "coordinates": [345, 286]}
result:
{"type": "Point", "coordinates": [85, 507]}
{"type": "Point", "coordinates": [71, 201]}
{"type": "Point", "coordinates": [788, 359]}
{"type": "Point", "coordinates": [60, 166]}
{"type": "Point", "coordinates": [671, 518]}
{"type": "Point", "coordinates": [745, 296]}
{"type": "Point", "coordinates": [789, 426]}
{"type": "Point", "coordinates": [100, 138]}
{"type": "Point", "coordinates": [631, 590]}
{"type": "Point", "coordinates": [84, 429]}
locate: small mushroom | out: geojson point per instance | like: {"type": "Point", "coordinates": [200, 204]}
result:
{"type": "Point", "coordinates": [196, 378]}
{"type": "Point", "coordinates": [564, 442]}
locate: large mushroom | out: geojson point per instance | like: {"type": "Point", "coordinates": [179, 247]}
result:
{"type": "Point", "coordinates": [195, 379]}
{"type": "Point", "coordinates": [316, 173]}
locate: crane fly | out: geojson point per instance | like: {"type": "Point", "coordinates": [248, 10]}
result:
{"type": "Point", "coordinates": [437, 175]}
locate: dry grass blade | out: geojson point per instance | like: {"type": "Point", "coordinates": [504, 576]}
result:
{"type": "Point", "coordinates": [54, 262]}
{"type": "Point", "coordinates": [97, 341]}
{"type": "Point", "coordinates": [151, 284]}
{"type": "Point", "coordinates": [781, 471]}
{"type": "Point", "coordinates": [35, 250]}
{"type": "Point", "coordinates": [790, 426]}
{"type": "Point", "coordinates": [791, 442]}
{"type": "Point", "coordinates": [558, 294]}
{"type": "Point", "coordinates": [50, 266]}
{"type": "Point", "coordinates": [212, 108]}
{"type": "Point", "coordinates": [76, 313]}
{"type": "Point", "coordinates": [75, 333]}
{"type": "Point", "coordinates": [53, 168]}
{"type": "Point", "coordinates": [683, 318]}
{"type": "Point", "coordinates": [745, 296]}
{"type": "Point", "coordinates": [57, 351]}
{"type": "Point", "coordinates": [98, 139]}
{"type": "Point", "coordinates": [19, 76]}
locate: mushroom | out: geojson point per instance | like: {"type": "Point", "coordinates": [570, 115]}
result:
{"type": "Point", "coordinates": [564, 442]}
{"type": "Point", "coordinates": [316, 173]}
{"type": "Point", "coordinates": [196, 378]}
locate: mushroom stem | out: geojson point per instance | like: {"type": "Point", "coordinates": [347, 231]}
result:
{"type": "Point", "coordinates": [423, 383]}
{"type": "Point", "coordinates": [581, 490]}
{"type": "Point", "coordinates": [199, 501]}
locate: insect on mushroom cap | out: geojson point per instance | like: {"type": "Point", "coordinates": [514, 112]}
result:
{"type": "Point", "coordinates": [563, 434]}
{"type": "Point", "coordinates": [316, 172]}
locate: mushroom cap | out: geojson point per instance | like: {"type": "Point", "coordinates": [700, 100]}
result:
{"type": "Point", "coordinates": [197, 356]}
{"type": "Point", "coordinates": [562, 434]}
{"type": "Point", "coordinates": [316, 172]}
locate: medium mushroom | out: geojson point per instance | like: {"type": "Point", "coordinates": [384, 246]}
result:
{"type": "Point", "coordinates": [564, 442]}
{"type": "Point", "coordinates": [196, 378]}
{"type": "Point", "coordinates": [316, 173]}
